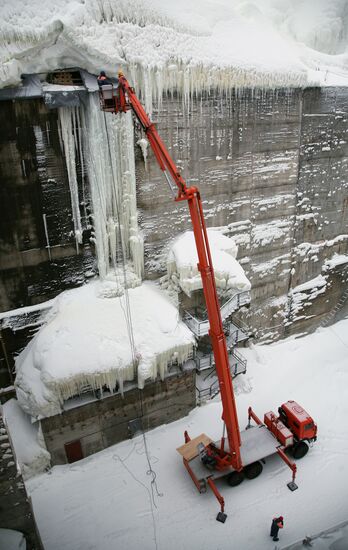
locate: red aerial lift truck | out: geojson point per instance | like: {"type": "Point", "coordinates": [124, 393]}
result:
{"type": "Point", "coordinates": [238, 454]}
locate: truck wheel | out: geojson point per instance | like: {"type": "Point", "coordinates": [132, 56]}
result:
{"type": "Point", "coordinates": [235, 478]}
{"type": "Point", "coordinates": [253, 470]}
{"type": "Point", "coordinates": [300, 449]}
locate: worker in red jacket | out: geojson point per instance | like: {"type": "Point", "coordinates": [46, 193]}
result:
{"type": "Point", "coordinates": [277, 523]}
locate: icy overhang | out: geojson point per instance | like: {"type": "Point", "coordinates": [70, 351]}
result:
{"type": "Point", "coordinates": [86, 342]}
{"type": "Point", "coordinates": [182, 263]}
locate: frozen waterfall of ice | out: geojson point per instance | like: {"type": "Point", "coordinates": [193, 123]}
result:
{"type": "Point", "coordinates": [182, 263]}
{"type": "Point", "coordinates": [68, 121]}
{"type": "Point", "coordinates": [109, 146]}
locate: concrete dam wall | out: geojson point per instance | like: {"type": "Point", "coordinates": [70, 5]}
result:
{"type": "Point", "coordinates": [272, 167]}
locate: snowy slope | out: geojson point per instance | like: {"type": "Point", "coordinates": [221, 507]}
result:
{"type": "Point", "coordinates": [190, 44]}
{"type": "Point", "coordinates": [105, 501]}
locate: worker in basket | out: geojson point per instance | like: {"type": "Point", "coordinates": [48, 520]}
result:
{"type": "Point", "coordinates": [103, 80]}
{"type": "Point", "coordinates": [107, 91]}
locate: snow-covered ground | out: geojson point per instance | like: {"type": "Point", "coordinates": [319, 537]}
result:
{"type": "Point", "coordinates": [186, 44]}
{"type": "Point", "coordinates": [11, 540]}
{"type": "Point", "coordinates": [105, 501]}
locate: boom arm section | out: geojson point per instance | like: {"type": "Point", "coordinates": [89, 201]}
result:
{"type": "Point", "coordinates": [128, 99]}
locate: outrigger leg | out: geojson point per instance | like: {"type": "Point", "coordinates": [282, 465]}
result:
{"type": "Point", "coordinates": [221, 515]}
{"type": "Point", "coordinates": [291, 485]}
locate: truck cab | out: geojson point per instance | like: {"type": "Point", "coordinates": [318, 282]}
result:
{"type": "Point", "coordinates": [301, 424]}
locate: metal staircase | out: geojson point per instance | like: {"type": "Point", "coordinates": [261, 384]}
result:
{"type": "Point", "coordinates": [207, 384]}
{"type": "Point", "coordinates": [201, 327]}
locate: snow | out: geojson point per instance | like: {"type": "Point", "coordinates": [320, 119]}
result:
{"type": "Point", "coordinates": [107, 497]}
{"type": "Point", "coordinates": [12, 540]}
{"type": "Point", "coordinates": [317, 282]}
{"type": "Point", "coordinates": [304, 294]}
{"type": "Point", "coordinates": [190, 45]}
{"type": "Point", "coordinates": [266, 233]}
{"type": "Point", "coordinates": [86, 341]}
{"type": "Point", "coordinates": [24, 316]}
{"type": "Point", "coordinates": [336, 260]}
{"type": "Point", "coordinates": [182, 263]}
{"type": "Point", "coordinates": [27, 440]}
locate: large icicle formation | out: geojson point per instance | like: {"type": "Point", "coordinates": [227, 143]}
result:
{"type": "Point", "coordinates": [109, 142]}
{"type": "Point", "coordinates": [188, 45]}
{"type": "Point", "coordinates": [182, 263]}
{"type": "Point", "coordinates": [86, 343]}
{"type": "Point", "coordinates": [68, 120]}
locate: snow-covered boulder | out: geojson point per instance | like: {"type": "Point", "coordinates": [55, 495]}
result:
{"type": "Point", "coordinates": [86, 341]}
{"type": "Point", "coordinates": [182, 263]}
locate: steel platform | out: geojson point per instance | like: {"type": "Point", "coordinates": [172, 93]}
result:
{"type": "Point", "coordinates": [257, 443]}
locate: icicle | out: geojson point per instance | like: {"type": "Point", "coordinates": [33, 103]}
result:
{"type": "Point", "coordinates": [143, 144]}
{"type": "Point", "coordinates": [66, 118]}
{"type": "Point", "coordinates": [111, 169]}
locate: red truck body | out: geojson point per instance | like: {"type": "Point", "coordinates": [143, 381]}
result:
{"type": "Point", "coordinates": [299, 422]}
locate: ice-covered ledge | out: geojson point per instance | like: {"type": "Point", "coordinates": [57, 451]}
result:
{"type": "Point", "coordinates": [85, 341]}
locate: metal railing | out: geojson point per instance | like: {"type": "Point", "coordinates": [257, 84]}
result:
{"type": "Point", "coordinates": [235, 333]}
{"type": "Point", "coordinates": [237, 362]}
{"type": "Point", "coordinates": [238, 365]}
{"type": "Point", "coordinates": [201, 327]}
{"type": "Point", "coordinates": [209, 392]}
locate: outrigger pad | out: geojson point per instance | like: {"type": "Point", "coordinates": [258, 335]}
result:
{"type": "Point", "coordinates": [221, 517]}
{"type": "Point", "coordinates": [292, 486]}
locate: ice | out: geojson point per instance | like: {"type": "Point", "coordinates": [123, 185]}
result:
{"type": "Point", "coordinates": [188, 45]}
{"type": "Point", "coordinates": [143, 144]}
{"type": "Point", "coordinates": [182, 263]}
{"type": "Point", "coordinates": [68, 131]}
{"type": "Point", "coordinates": [86, 341]}
{"type": "Point", "coordinates": [109, 143]}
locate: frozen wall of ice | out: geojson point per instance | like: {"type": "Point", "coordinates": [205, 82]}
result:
{"type": "Point", "coordinates": [109, 150]}
{"type": "Point", "coordinates": [187, 44]}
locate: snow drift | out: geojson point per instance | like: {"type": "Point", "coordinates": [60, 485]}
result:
{"type": "Point", "coordinates": [86, 342]}
{"type": "Point", "coordinates": [188, 44]}
{"type": "Point", "coordinates": [29, 446]}
{"type": "Point", "coordinates": [182, 263]}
